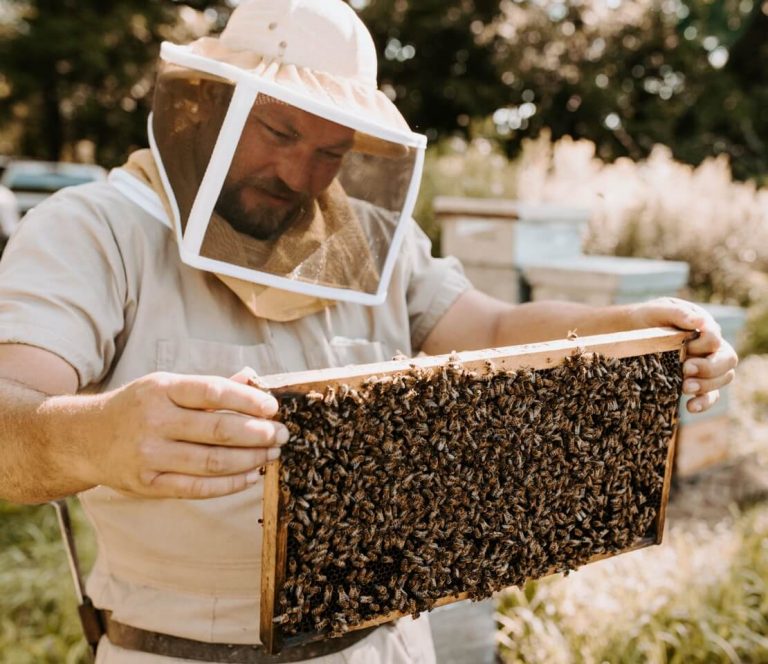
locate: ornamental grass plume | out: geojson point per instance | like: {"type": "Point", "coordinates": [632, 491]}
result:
{"type": "Point", "coordinates": [660, 208]}
{"type": "Point", "coordinates": [655, 208]}
{"type": "Point", "coordinates": [696, 598]}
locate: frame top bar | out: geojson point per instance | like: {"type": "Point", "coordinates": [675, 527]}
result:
{"type": "Point", "coordinates": [544, 355]}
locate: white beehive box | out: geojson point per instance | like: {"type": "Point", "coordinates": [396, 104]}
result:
{"type": "Point", "coordinates": [497, 232]}
{"type": "Point", "coordinates": [495, 238]}
{"type": "Point", "coordinates": [603, 280]}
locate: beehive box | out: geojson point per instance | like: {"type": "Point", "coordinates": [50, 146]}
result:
{"type": "Point", "coordinates": [407, 485]}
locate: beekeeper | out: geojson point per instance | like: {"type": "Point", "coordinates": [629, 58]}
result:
{"type": "Point", "coordinates": [267, 229]}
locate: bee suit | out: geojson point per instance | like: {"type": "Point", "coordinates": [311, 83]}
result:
{"type": "Point", "coordinates": [267, 226]}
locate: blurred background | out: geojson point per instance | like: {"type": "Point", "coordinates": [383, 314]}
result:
{"type": "Point", "coordinates": [596, 150]}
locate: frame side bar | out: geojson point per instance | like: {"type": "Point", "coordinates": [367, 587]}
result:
{"type": "Point", "coordinates": [272, 558]}
{"type": "Point", "coordinates": [661, 519]}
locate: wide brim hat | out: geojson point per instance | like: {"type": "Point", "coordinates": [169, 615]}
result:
{"type": "Point", "coordinates": [318, 50]}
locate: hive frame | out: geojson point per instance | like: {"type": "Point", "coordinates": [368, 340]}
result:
{"type": "Point", "coordinates": [546, 355]}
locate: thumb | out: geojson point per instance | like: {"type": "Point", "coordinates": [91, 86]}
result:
{"type": "Point", "coordinates": [246, 376]}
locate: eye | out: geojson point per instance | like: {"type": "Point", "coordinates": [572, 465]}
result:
{"type": "Point", "coordinates": [331, 155]}
{"type": "Point", "coordinates": [279, 135]}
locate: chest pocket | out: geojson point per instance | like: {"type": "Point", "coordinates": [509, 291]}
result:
{"type": "Point", "coordinates": [198, 356]}
{"type": "Point", "coordinates": [343, 351]}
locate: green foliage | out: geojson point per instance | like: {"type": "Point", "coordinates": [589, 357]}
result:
{"type": "Point", "coordinates": [38, 612]}
{"type": "Point", "coordinates": [756, 340]}
{"type": "Point", "coordinates": [626, 76]}
{"type": "Point", "coordinates": [75, 72]}
{"type": "Point", "coordinates": [681, 74]}
{"type": "Point", "coordinates": [671, 613]}
{"type": "Point", "coordinates": [433, 63]}
{"type": "Point", "coordinates": [81, 70]}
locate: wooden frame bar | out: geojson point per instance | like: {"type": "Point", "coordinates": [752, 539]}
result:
{"type": "Point", "coordinates": [539, 356]}
{"type": "Point", "coordinates": [273, 556]}
{"type": "Point", "coordinates": [545, 355]}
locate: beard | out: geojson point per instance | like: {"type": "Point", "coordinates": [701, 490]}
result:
{"type": "Point", "coordinates": [261, 221]}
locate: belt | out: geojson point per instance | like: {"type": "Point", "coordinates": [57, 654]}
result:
{"type": "Point", "coordinates": [133, 638]}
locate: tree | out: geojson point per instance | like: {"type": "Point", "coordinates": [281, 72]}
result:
{"type": "Point", "coordinates": [78, 70]}
{"type": "Point", "coordinates": [686, 73]}
{"type": "Point", "coordinates": [432, 62]}
{"type": "Point", "coordinates": [683, 74]}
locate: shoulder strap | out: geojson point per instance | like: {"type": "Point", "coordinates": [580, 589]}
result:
{"type": "Point", "coordinates": [93, 629]}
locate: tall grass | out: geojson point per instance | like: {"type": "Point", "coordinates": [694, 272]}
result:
{"type": "Point", "coordinates": [700, 597]}
{"type": "Point", "coordinates": [38, 612]}
{"type": "Point", "coordinates": [660, 208]}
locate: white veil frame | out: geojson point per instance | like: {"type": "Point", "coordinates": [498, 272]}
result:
{"type": "Point", "coordinates": [247, 87]}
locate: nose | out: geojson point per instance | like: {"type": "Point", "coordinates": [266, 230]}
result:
{"type": "Point", "coordinates": [294, 168]}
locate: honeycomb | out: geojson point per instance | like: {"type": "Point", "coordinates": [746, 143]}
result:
{"type": "Point", "coordinates": [441, 481]}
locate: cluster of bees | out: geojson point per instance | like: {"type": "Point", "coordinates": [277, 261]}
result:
{"type": "Point", "coordinates": [443, 481]}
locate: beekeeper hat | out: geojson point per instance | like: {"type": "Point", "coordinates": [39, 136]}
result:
{"type": "Point", "coordinates": [313, 55]}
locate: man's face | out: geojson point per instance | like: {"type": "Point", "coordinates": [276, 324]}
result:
{"type": "Point", "coordinates": [286, 157]}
